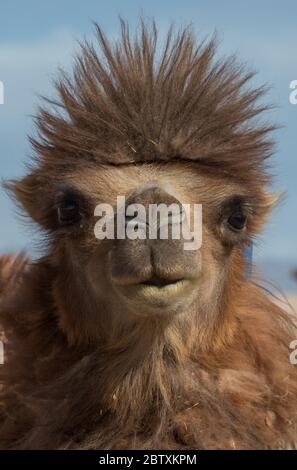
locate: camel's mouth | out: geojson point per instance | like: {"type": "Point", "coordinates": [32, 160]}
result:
{"type": "Point", "coordinates": [160, 282]}
{"type": "Point", "coordinates": [156, 292]}
{"type": "Point", "coordinates": [160, 290]}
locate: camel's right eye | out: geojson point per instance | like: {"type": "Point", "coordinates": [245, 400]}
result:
{"type": "Point", "coordinates": [234, 216]}
{"type": "Point", "coordinates": [68, 214]}
{"type": "Point", "coordinates": [237, 221]}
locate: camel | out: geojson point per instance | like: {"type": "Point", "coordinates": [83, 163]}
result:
{"type": "Point", "coordinates": [141, 344]}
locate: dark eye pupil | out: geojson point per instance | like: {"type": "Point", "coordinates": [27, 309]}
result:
{"type": "Point", "coordinates": [68, 214]}
{"type": "Point", "coordinates": [237, 220]}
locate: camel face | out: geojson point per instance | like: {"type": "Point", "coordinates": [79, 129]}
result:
{"type": "Point", "coordinates": [147, 275]}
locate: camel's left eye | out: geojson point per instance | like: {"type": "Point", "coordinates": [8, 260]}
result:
{"type": "Point", "coordinates": [68, 214]}
{"type": "Point", "coordinates": [237, 221]}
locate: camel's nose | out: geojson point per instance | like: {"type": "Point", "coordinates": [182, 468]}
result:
{"type": "Point", "coordinates": [151, 248]}
{"type": "Point", "coordinates": [153, 205]}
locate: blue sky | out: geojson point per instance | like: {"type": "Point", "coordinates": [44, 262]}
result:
{"type": "Point", "coordinates": [37, 37]}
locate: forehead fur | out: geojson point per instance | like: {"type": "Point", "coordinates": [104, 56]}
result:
{"type": "Point", "coordinates": [137, 100]}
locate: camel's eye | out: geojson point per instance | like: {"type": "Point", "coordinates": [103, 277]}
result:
{"type": "Point", "coordinates": [68, 214]}
{"type": "Point", "coordinates": [234, 215]}
{"type": "Point", "coordinates": [69, 205]}
{"type": "Point", "coordinates": [237, 221]}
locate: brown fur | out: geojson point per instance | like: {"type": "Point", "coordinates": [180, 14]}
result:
{"type": "Point", "coordinates": [88, 366]}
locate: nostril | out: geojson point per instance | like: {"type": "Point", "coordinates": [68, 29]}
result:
{"type": "Point", "coordinates": [154, 208]}
{"type": "Point", "coordinates": [135, 223]}
{"type": "Point", "coordinates": [129, 218]}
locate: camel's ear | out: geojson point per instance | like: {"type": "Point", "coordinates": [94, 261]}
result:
{"type": "Point", "coordinates": [35, 195]}
{"type": "Point", "coordinates": [271, 200]}
{"type": "Point", "coordinates": [264, 205]}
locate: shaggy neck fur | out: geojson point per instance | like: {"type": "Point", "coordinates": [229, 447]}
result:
{"type": "Point", "coordinates": [156, 389]}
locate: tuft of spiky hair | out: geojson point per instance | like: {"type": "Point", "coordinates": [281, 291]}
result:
{"type": "Point", "coordinates": [135, 101]}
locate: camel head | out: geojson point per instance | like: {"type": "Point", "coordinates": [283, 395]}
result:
{"type": "Point", "coordinates": [138, 125]}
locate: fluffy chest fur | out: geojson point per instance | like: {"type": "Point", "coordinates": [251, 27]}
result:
{"type": "Point", "coordinates": [146, 394]}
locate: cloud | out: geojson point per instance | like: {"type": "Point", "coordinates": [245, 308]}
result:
{"type": "Point", "coordinates": [27, 69]}
{"type": "Point", "coordinates": [268, 53]}
{"type": "Point", "coordinates": [54, 48]}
